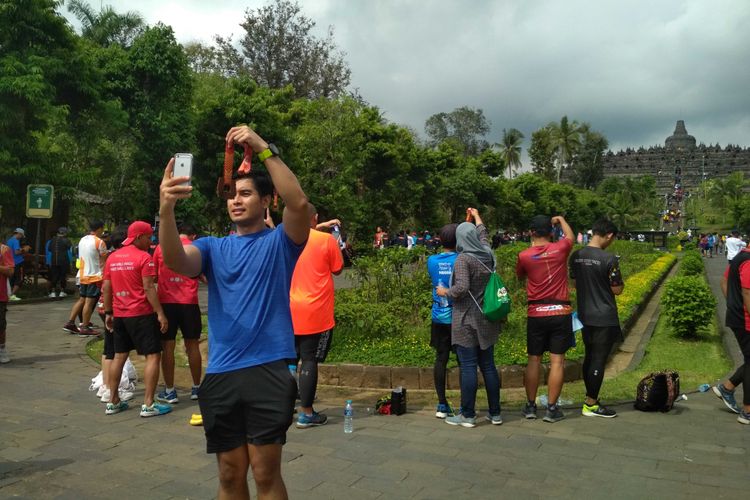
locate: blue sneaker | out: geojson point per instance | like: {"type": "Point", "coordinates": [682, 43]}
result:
{"type": "Point", "coordinates": [443, 410]}
{"type": "Point", "coordinates": [304, 421]}
{"type": "Point", "coordinates": [726, 396]}
{"type": "Point", "coordinates": [168, 397]}
{"type": "Point", "coordinates": [744, 417]}
{"type": "Point", "coordinates": [155, 410]}
{"type": "Point", "coordinates": [112, 408]}
{"type": "Point", "coordinates": [194, 393]}
{"type": "Point", "coordinates": [462, 421]}
{"type": "Point", "coordinates": [495, 419]}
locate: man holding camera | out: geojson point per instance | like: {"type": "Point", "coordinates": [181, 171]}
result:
{"type": "Point", "coordinates": [247, 396]}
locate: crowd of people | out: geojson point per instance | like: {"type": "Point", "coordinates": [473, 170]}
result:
{"type": "Point", "coordinates": [271, 311]}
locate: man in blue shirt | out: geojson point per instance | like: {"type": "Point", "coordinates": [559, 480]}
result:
{"type": "Point", "coordinates": [15, 247]}
{"type": "Point", "coordinates": [247, 396]}
{"type": "Point", "coordinates": [440, 268]}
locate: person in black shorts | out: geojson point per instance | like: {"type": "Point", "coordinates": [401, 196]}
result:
{"type": "Point", "coordinates": [133, 312]}
{"type": "Point", "coordinates": [598, 279]}
{"type": "Point", "coordinates": [178, 295]}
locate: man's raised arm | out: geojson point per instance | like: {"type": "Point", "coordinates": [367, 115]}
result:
{"type": "Point", "coordinates": [186, 261]}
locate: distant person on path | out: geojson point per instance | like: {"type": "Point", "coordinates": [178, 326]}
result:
{"type": "Point", "coordinates": [473, 335]}
{"type": "Point", "coordinates": [59, 248]}
{"type": "Point", "coordinates": [92, 253]}
{"type": "Point", "coordinates": [7, 267]}
{"type": "Point", "coordinates": [734, 244]}
{"type": "Point", "coordinates": [133, 312]}
{"type": "Point", "coordinates": [440, 269]}
{"type": "Point", "coordinates": [311, 300]}
{"type": "Point", "coordinates": [14, 243]}
{"type": "Point", "coordinates": [598, 279]}
{"type": "Point", "coordinates": [548, 322]}
{"type": "Point", "coordinates": [736, 288]}
{"type": "Point", "coordinates": [178, 296]}
{"type": "Point", "coordinates": [247, 396]}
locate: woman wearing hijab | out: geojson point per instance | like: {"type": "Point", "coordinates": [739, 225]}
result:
{"type": "Point", "coordinates": [473, 336]}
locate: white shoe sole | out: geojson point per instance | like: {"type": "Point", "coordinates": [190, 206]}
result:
{"type": "Point", "coordinates": [493, 422]}
{"type": "Point", "coordinates": [440, 414]}
{"type": "Point", "coordinates": [461, 424]}
{"type": "Point", "coordinates": [592, 414]}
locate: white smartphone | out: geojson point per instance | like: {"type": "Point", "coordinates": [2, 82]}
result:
{"type": "Point", "coordinates": [183, 166]}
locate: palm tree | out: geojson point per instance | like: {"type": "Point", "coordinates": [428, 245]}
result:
{"type": "Point", "coordinates": [566, 137]}
{"type": "Point", "coordinates": [107, 27]}
{"type": "Point", "coordinates": [510, 150]}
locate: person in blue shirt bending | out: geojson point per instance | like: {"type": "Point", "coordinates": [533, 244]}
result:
{"type": "Point", "coordinates": [247, 396]}
{"type": "Point", "coordinates": [440, 268]}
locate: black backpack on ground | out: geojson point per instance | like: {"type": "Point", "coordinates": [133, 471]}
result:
{"type": "Point", "coordinates": [658, 391]}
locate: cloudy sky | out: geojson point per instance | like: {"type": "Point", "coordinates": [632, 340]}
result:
{"type": "Point", "coordinates": [630, 68]}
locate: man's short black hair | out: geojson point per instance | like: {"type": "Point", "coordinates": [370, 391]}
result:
{"type": "Point", "coordinates": [603, 227]}
{"type": "Point", "coordinates": [186, 228]}
{"type": "Point", "coordinates": [261, 181]}
{"type": "Point", "coordinates": [735, 233]}
{"type": "Point", "coordinates": [95, 224]}
{"type": "Point", "coordinates": [448, 235]}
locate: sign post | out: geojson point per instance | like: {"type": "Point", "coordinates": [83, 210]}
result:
{"type": "Point", "coordinates": [40, 200]}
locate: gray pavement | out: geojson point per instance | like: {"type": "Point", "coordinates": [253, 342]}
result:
{"type": "Point", "coordinates": [56, 442]}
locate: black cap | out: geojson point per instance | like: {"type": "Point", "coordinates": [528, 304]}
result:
{"type": "Point", "coordinates": [541, 225]}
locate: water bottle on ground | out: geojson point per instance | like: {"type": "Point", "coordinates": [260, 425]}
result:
{"type": "Point", "coordinates": [704, 387]}
{"type": "Point", "coordinates": [348, 417]}
{"type": "Point", "coordinates": [443, 301]}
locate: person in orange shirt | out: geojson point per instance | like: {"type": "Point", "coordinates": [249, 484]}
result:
{"type": "Point", "coordinates": [311, 301]}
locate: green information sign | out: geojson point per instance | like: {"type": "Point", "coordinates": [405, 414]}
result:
{"type": "Point", "coordinates": [39, 201]}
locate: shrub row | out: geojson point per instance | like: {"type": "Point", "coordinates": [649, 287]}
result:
{"type": "Point", "coordinates": [688, 302]}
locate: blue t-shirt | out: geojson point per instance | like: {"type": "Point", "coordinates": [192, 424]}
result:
{"type": "Point", "coordinates": [440, 267]}
{"type": "Point", "coordinates": [249, 277]}
{"type": "Point", "coordinates": [15, 245]}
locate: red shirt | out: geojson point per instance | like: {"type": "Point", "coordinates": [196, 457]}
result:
{"type": "Point", "coordinates": [546, 270]}
{"type": "Point", "coordinates": [6, 259]}
{"type": "Point", "coordinates": [125, 269]}
{"type": "Point", "coordinates": [175, 288]}
{"type": "Point", "coordinates": [744, 283]}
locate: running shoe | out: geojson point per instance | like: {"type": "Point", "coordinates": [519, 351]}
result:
{"type": "Point", "coordinates": [744, 417]}
{"type": "Point", "coordinates": [63, 295]}
{"type": "Point", "coordinates": [52, 295]}
{"type": "Point", "coordinates": [443, 410]}
{"type": "Point", "coordinates": [71, 327]}
{"type": "Point", "coordinates": [194, 393]}
{"type": "Point", "coordinates": [462, 421]}
{"type": "Point", "coordinates": [727, 397]}
{"type": "Point", "coordinates": [554, 414]}
{"type": "Point", "coordinates": [304, 421]}
{"type": "Point", "coordinates": [597, 410]}
{"type": "Point", "coordinates": [155, 410]}
{"type": "Point", "coordinates": [495, 419]}
{"type": "Point", "coordinates": [168, 397]}
{"type": "Point", "coordinates": [4, 358]}
{"type": "Point", "coordinates": [85, 331]}
{"type": "Point", "coordinates": [124, 395]}
{"type": "Point", "coordinates": [14, 298]}
{"type": "Point", "coordinates": [529, 411]}
{"type": "Point", "coordinates": [112, 408]}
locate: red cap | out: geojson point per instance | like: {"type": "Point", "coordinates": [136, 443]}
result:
{"type": "Point", "coordinates": [136, 229]}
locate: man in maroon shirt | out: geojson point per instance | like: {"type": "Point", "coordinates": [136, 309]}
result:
{"type": "Point", "coordinates": [548, 322]}
{"type": "Point", "coordinates": [133, 311]}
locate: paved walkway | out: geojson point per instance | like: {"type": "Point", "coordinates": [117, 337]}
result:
{"type": "Point", "coordinates": [56, 442]}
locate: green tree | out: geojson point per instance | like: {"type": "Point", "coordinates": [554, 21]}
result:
{"type": "Point", "coordinates": [510, 150]}
{"type": "Point", "coordinates": [588, 168]}
{"type": "Point", "coordinates": [566, 139]}
{"type": "Point", "coordinates": [463, 127]}
{"type": "Point", "coordinates": [107, 27]}
{"type": "Point", "coordinates": [542, 153]}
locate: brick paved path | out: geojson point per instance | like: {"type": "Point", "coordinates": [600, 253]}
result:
{"type": "Point", "coordinates": [56, 442]}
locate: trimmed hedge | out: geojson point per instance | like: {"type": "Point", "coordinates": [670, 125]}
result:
{"type": "Point", "coordinates": [689, 304]}
{"type": "Point", "coordinates": [691, 264]}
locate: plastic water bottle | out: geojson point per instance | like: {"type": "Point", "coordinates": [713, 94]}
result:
{"type": "Point", "coordinates": [348, 417]}
{"type": "Point", "coordinates": [704, 387]}
{"type": "Point", "coordinates": [443, 301]}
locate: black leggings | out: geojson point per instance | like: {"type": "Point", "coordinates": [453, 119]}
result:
{"type": "Point", "coordinates": [307, 347]}
{"type": "Point", "coordinates": [742, 375]}
{"type": "Point", "coordinates": [58, 277]}
{"type": "Point", "coordinates": [598, 341]}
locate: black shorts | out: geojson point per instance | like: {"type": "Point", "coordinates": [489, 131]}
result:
{"type": "Point", "coordinates": [314, 346]}
{"type": "Point", "coordinates": [549, 333]}
{"type": "Point", "coordinates": [248, 406]}
{"type": "Point", "coordinates": [90, 290]}
{"type": "Point", "coordinates": [17, 278]}
{"type": "Point", "coordinates": [186, 317]}
{"type": "Point", "coordinates": [137, 332]}
{"type": "Point", "coordinates": [3, 313]}
{"type": "Point", "coordinates": [440, 337]}
{"type": "Point", "coordinates": [109, 344]}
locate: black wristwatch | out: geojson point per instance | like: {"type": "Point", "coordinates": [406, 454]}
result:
{"type": "Point", "coordinates": [272, 150]}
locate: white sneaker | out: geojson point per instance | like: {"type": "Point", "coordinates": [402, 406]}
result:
{"type": "Point", "coordinates": [125, 395]}
{"type": "Point", "coordinates": [100, 391]}
{"type": "Point", "coordinates": [52, 295]}
{"type": "Point", "coordinates": [106, 396]}
{"type": "Point", "coordinates": [62, 294]}
{"type": "Point", "coordinates": [4, 358]}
